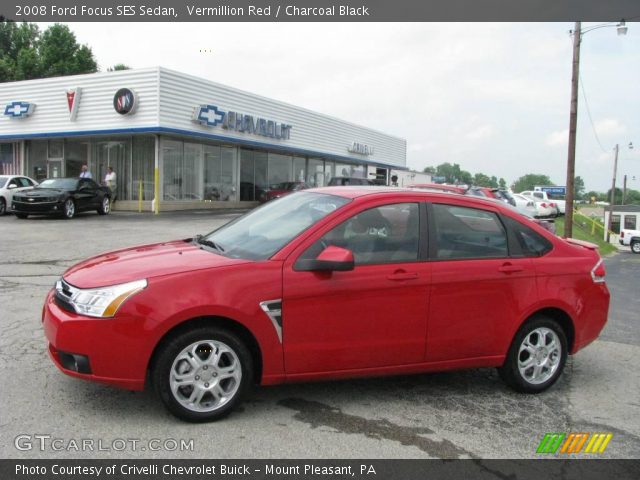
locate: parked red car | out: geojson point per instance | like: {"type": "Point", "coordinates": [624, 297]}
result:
{"type": "Point", "coordinates": [282, 189]}
{"type": "Point", "coordinates": [330, 283]}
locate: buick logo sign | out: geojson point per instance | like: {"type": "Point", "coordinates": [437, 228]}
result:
{"type": "Point", "coordinates": [125, 101]}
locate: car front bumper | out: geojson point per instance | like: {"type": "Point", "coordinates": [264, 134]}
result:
{"type": "Point", "coordinates": [37, 208]}
{"type": "Point", "coordinates": [105, 350]}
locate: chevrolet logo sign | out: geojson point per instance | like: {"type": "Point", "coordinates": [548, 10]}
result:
{"type": "Point", "coordinates": [31, 199]}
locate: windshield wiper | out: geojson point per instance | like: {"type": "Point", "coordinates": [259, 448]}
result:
{"type": "Point", "coordinates": [209, 243]}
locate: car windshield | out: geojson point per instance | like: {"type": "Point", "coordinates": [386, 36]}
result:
{"type": "Point", "coordinates": [263, 231]}
{"type": "Point", "coordinates": [61, 183]}
{"type": "Point", "coordinates": [3, 180]}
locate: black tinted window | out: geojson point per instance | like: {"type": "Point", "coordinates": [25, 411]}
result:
{"type": "Point", "coordinates": [463, 232]}
{"type": "Point", "coordinates": [531, 243]}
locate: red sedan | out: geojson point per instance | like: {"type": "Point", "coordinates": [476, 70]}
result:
{"type": "Point", "coordinates": [330, 283]}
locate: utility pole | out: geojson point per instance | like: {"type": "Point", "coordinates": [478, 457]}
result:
{"type": "Point", "coordinates": [624, 190]}
{"type": "Point", "coordinates": [573, 121]}
{"type": "Point", "coordinates": [613, 190]}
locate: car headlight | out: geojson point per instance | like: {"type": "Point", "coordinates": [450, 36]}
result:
{"type": "Point", "coordinates": [101, 302]}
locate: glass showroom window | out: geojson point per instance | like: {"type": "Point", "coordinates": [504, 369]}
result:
{"type": "Point", "coordinates": [172, 169]}
{"type": "Point", "coordinates": [299, 169]}
{"type": "Point", "coordinates": [315, 175]}
{"type": "Point", "coordinates": [37, 159]}
{"type": "Point", "coordinates": [253, 174]}
{"type": "Point", "coordinates": [142, 168]}
{"type": "Point", "coordinates": [279, 169]}
{"type": "Point", "coordinates": [329, 171]}
{"type": "Point", "coordinates": [343, 170]}
{"type": "Point", "coordinates": [219, 178]}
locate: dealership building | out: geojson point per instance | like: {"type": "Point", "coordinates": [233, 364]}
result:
{"type": "Point", "coordinates": [191, 142]}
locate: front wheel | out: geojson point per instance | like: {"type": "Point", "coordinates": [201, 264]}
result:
{"type": "Point", "coordinates": [3, 206]}
{"type": "Point", "coordinates": [69, 208]}
{"type": "Point", "coordinates": [202, 375]}
{"type": "Point", "coordinates": [635, 246]}
{"type": "Point", "coordinates": [105, 206]}
{"type": "Point", "coordinates": [536, 357]}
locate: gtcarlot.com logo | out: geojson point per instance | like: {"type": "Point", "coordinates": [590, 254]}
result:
{"type": "Point", "coordinates": [574, 443]}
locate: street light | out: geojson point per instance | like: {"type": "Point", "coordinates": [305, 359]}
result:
{"type": "Point", "coordinates": [577, 33]}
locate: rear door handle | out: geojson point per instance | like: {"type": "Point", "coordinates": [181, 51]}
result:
{"type": "Point", "coordinates": [509, 268]}
{"type": "Point", "coordinates": [400, 276]}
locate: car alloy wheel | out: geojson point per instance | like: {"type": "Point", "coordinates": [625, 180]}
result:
{"type": "Point", "coordinates": [105, 207]}
{"type": "Point", "coordinates": [69, 208]}
{"type": "Point", "coordinates": [536, 357]}
{"type": "Point", "coordinates": [203, 374]}
{"type": "Point", "coordinates": [635, 247]}
{"type": "Point", "coordinates": [3, 206]}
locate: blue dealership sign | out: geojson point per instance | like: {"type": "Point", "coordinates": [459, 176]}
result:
{"type": "Point", "coordinates": [19, 109]}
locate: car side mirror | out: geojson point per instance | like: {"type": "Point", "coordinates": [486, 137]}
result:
{"type": "Point", "coordinates": [12, 186]}
{"type": "Point", "coordinates": [331, 259]}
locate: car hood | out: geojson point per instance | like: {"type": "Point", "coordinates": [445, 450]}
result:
{"type": "Point", "coordinates": [145, 261]}
{"type": "Point", "coordinates": [41, 192]}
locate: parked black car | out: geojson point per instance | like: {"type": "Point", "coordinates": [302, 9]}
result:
{"type": "Point", "coordinates": [62, 196]}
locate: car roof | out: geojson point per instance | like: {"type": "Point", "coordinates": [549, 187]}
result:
{"type": "Point", "coordinates": [357, 191]}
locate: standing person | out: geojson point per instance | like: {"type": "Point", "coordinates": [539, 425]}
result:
{"type": "Point", "coordinates": [110, 181]}
{"type": "Point", "coordinates": [85, 173]}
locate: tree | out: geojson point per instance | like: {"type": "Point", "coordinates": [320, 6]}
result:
{"type": "Point", "coordinates": [117, 67]}
{"type": "Point", "coordinates": [578, 186]}
{"type": "Point", "coordinates": [530, 180]}
{"type": "Point", "coordinates": [26, 54]}
{"type": "Point", "coordinates": [502, 183]}
{"type": "Point", "coordinates": [618, 196]}
{"type": "Point", "coordinates": [482, 180]}
{"type": "Point", "coordinates": [430, 170]}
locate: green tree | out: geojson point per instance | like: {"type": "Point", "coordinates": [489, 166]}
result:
{"type": "Point", "coordinates": [117, 67]}
{"type": "Point", "coordinates": [633, 197]}
{"type": "Point", "coordinates": [578, 186]}
{"type": "Point", "coordinates": [25, 53]}
{"type": "Point", "coordinates": [617, 196]}
{"type": "Point", "coordinates": [530, 180]}
{"type": "Point", "coordinates": [482, 180]}
{"type": "Point", "coordinates": [430, 170]}
{"type": "Point", "coordinates": [502, 183]}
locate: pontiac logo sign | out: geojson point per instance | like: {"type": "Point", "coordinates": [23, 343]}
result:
{"type": "Point", "coordinates": [73, 101]}
{"type": "Point", "coordinates": [360, 148]}
{"type": "Point", "coordinates": [125, 101]}
{"type": "Point", "coordinates": [19, 109]}
{"type": "Point", "coordinates": [212, 116]}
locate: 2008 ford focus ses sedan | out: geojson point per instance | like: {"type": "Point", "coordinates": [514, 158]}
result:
{"type": "Point", "coordinates": [330, 283]}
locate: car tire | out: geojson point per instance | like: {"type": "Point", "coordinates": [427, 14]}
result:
{"type": "Point", "coordinates": [3, 206]}
{"type": "Point", "coordinates": [536, 357]}
{"type": "Point", "coordinates": [203, 374]}
{"type": "Point", "coordinates": [21, 215]}
{"type": "Point", "coordinates": [635, 246]}
{"type": "Point", "coordinates": [105, 206]}
{"type": "Point", "coordinates": [68, 208]}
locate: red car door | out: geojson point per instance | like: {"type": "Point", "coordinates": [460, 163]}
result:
{"type": "Point", "coordinates": [372, 316]}
{"type": "Point", "coordinates": [478, 291]}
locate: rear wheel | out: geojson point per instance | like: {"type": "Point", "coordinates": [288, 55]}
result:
{"type": "Point", "coordinates": [202, 375]}
{"type": "Point", "coordinates": [105, 206]}
{"type": "Point", "coordinates": [3, 206]}
{"type": "Point", "coordinates": [536, 357]}
{"type": "Point", "coordinates": [635, 246]}
{"type": "Point", "coordinates": [69, 208]}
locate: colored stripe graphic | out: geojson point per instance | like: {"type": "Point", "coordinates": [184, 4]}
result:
{"type": "Point", "coordinates": [598, 443]}
{"type": "Point", "coordinates": [574, 443]}
{"type": "Point", "coordinates": [550, 443]}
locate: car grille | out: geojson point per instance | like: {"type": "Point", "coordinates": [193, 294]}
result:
{"type": "Point", "coordinates": [30, 200]}
{"type": "Point", "coordinates": [63, 295]}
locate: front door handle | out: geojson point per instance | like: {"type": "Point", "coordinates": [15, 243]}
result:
{"type": "Point", "coordinates": [509, 268]}
{"type": "Point", "coordinates": [401, 275]}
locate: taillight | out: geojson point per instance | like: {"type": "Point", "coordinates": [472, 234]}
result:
{"type": "Point", "coordinates": [552, 205]}
{"type": "Point", "coordinates": [543, 205]}
{"type": "Point", "coordinates": [598, 273]}
{"type": "Point", "coordinates": [622, 234]}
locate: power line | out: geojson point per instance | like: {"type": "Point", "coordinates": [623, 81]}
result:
{"type": "Point", "coordinates": [586, 103]}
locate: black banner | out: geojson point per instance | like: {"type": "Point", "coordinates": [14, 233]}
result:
{"type": "Point", "coordinates": [318, 469]}
{"type": "Point", "coordinates": [318, 10]}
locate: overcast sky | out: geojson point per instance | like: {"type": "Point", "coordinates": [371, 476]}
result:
{"type": "Point", "coordinates": [492, 97]}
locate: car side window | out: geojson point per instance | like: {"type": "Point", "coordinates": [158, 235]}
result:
{"type": "Point", "coordinates": [23, 182]}
{"type": "Point", "coordinates": [531, 243]}
{"type": "Point", "coordinates": [464, 233]}
{"type": "Point", "coordinates": [86, 183]}
{"type": "Point", "coordinates": [385, 234]}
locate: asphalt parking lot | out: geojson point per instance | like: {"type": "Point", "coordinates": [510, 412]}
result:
{"type": "Point", "coordinates": [447, 415]}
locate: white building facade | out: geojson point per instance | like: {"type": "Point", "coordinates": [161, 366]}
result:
{"type": "Point", "coordinates": [189, 142]}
